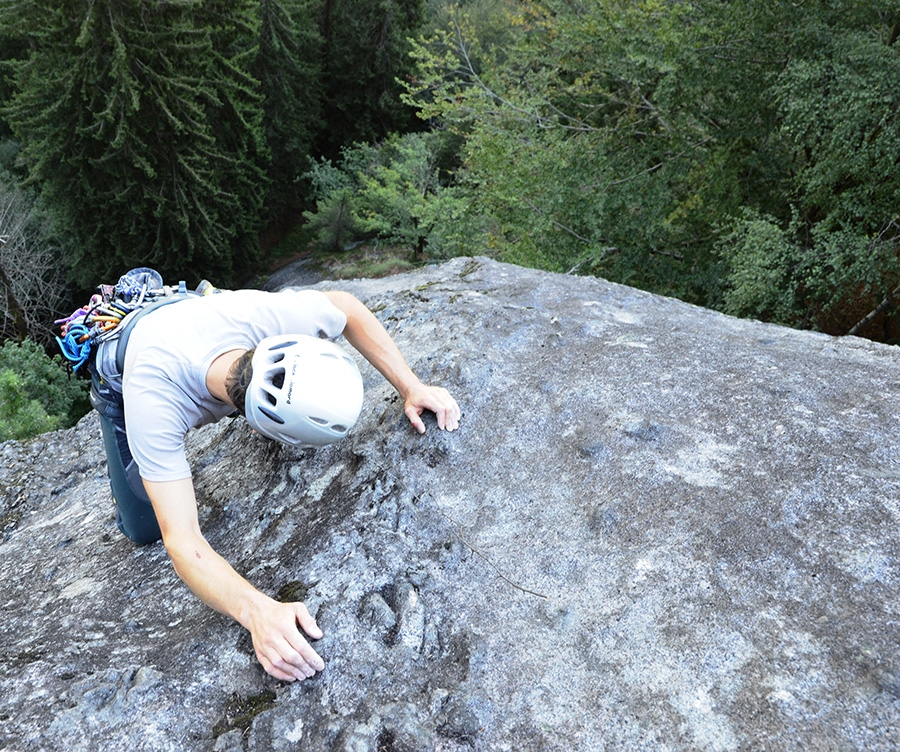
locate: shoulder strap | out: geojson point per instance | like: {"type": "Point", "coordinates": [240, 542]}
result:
{"type": "Point", "coordinates": [124, 329]}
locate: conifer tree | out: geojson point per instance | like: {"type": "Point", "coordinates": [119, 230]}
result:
{"type": "Point", "coordinates": [366, 51]}
{"type": "Point", "coordinates": [288, 67]}
{"type": "Point", "coordinates": [138, 122]}
{"type": "Point", "coordinates": [236, 117]}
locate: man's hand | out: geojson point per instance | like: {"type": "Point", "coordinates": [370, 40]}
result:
{"type": "Point", "coordinates": [280, 647]}
{"type": "Point", "coordinates": [434, 398]}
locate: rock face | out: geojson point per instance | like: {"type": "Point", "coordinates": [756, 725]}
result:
{"type": "Point", "coordinates": [658, 528]}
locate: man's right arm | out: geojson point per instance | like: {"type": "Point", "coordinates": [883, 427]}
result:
{"type": "Point", "coordinates": [280, 647]}
{"type": "Point", "coordinates": [368, 336]}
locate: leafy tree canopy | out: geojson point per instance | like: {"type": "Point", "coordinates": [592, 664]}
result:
{"type": "Point", "coordinates": [630, 139]}
{"type": "Point", "coordinates": [37, 393]}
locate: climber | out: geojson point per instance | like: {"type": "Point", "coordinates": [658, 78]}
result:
{"type": "Point", "coordinates": [265, 355]}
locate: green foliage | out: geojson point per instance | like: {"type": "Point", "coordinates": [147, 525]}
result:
{"type": "Point", "coordinates": [288, 67]}
{"type": "Point", "coordinates": [335, 223]}
{"type": "Point", "coordinates": [395, 189]}
{"type": "Point", "coordinates": [140, 123]}
{"type": "Point", "coordinates": [763, 265]}
{"type": "Point", "coordinates": [37, 393]}
{"type": "Point", "coordinates": [20, 417]}
{"type": "Point", "coordinates": [595, 137]}
{"type": "Point", "coordinates": [707, 150]}
{"type": "Point", "coordinates": [740, 155]}
{"type": "Point", "coordinates": [163, 134]}
{"type": "Point", "coordinates": [235, 117]}
{"type": "Point", "coordinates": [396, 192]}
{"type": "Point", "coordinates": [838, 123]}
{"type": "Point", "coordinates": [11, 48]}
{"type": "Point", "coordinates": [832, 281]}
{"type": "Point", "coordinates": [841, 118]}
{"type": "Point", "coordinates": [364, 55]}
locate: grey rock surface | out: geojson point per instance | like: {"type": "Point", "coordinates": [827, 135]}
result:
{"type": "Point", "coordinates": [658, 528]}
{"type": "Point", "coordinates": [303, 272]}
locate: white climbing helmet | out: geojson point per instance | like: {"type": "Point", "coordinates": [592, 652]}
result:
{"type": "Point", "coordinates": [304, 391]}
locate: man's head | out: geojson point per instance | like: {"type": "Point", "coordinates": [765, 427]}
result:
{"type": "Point", "coordinates": [297, 389]}
{"type": "Point", "coordinates": [238, 379]}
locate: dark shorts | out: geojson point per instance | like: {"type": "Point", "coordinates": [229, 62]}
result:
{"type": "Point", "coordinates": [134, 513]}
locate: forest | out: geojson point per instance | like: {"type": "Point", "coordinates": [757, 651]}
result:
{"type": "Point", "coordinates": [742, 156]}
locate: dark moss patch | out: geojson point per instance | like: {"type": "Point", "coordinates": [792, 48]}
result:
{"type": "Point", "coordinates": [10, 520]}
{"type": "Point", "coordinates": [22, 659]}
{"type": "Point", "coordinates": [292, 592]}
{"type": "Point", "coordinates": [240, 711]}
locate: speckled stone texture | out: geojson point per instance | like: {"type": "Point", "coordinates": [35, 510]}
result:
{"type": "Point", "coordinates": [658, 528]}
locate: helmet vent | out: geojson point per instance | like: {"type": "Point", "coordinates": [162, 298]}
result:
{"type": "Point", "coordinates": [320, 421]}
{"type": "Point", "coordinates": [271, 416]}
{"type": "Point", "coordinates": [339, 429]}
{"type": "Point", "coordinates": [278, 380]}
{"type": "Point", "coordinates": [281, 346]}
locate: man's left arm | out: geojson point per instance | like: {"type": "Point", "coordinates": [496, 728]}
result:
{"type": "Point", "coordinates": [367, 335]}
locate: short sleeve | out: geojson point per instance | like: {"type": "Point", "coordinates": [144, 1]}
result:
{"type": "Point", "coordinates": [312, 313]}
{"type": "Point", "coordinates": [170, 352]}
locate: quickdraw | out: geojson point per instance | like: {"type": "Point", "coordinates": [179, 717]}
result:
{"type": "Point", "coordinates": [99, 320]}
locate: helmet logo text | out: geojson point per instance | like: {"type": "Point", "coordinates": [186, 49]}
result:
{"type": "Point", "coordinates": [291, 387]}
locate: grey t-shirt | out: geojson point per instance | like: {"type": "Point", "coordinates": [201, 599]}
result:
{"type": "Point", "coordinates": [171, 350]}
